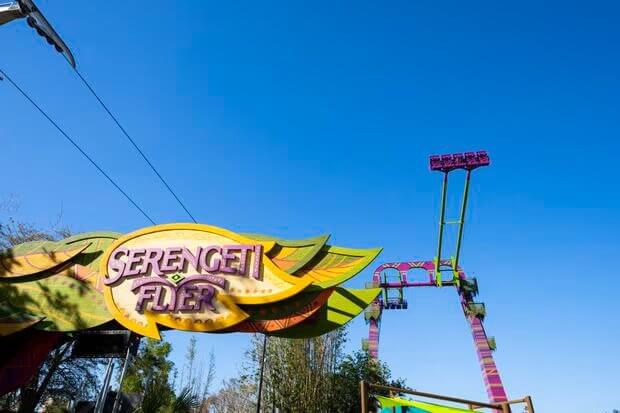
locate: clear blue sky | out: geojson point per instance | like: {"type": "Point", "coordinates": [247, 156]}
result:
{"type": "Point", "coordinates": [303, 118]}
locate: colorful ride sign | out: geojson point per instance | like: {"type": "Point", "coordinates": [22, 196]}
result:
{"type": "Point", "coordinates": [182, 276]}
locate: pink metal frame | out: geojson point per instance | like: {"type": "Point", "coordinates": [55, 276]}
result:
{"type": "Point", "coordinates": [490, 373]}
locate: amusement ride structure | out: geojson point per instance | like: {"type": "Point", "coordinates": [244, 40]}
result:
{"type": "Point", "coordinates": [393, 297]}
{"type": "Point", "coordinates": [20, 9]}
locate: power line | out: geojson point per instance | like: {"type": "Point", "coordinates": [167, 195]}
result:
{"type": "Point", "coordinates": [25, 95]}
{"type": "Point", "coordinates": [161, 178]}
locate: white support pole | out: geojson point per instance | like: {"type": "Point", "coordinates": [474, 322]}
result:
{"type": "Point", "coordinates": [104, 390]}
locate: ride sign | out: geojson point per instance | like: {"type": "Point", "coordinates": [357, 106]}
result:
{"type": "Point", "coordinates": [190, 277]}
{"type": "Point", "coordinates": [183, 276]}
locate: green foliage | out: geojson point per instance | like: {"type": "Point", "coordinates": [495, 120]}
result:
{"type": "Point", "coordinates": [196, 379]}
{"type": "Point", "coordinates": [189, 369]}
{"type": "Point", "coordinates": [185, 402]}
{"type": "Point", "coordinates": [57, 406]}
{"type": "Point", "coordinates": [156, 395]}
{"type": "Point", "coordinates": [158, 398]}
{"type": "Point", "coordinates": [300, 372]}
{"type": "Point", "coordinates": [150, 369]}
{"type": "Point", "coordinates": [353, 369]}
{"type": "Point", "coordinates": [149, 374]}
{"type": "Point", "coordinates": [311, 375]}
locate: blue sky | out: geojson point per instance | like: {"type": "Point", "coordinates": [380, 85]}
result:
{"type": "Point", "coordinates": [303, 118]}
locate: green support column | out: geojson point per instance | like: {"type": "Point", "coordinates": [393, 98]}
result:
{"type": "Point", "coordinates": [461, 224]}
{"type": "Point", "coordinates": [444, 191]}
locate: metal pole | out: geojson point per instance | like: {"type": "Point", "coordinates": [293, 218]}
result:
{"type": "Point", "coordinates": [506, 408]}
{"type": "Point", "coordinates": [436, 396]}
{"type": "Point", "coordinates": [363, 397]}
{"type": "Point", "coordinates": [262, 369]}
{"type": "Point", "coordinates": [461, 221]}
{"type": "Point", "coordinates": [444, 190]}
{"type": "Point", "coordinates": [117, 399]}
{"type": "Point", "coordinates": [529, 404]}
{"type": "Point", "coordinates": [104, 391]}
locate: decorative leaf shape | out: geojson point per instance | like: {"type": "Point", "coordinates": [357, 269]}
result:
{"type": "Point", "coordinates": [16, 322]}
{"type": "Point", "coordinates": [284, 314]}
{"type": "Point", "coordinates": [291, 255]}
{"type": "Point", "coordinates": [286, 307]}
{"type": "Point", "coordinates": [86, 266]}
{"type": "Point", "coordinates": [342, 306]}
{"type": "Point", "coordinates": [87, 275]}
{"type": "Point", "coordinates": [334, 265]}
{"type": "Point", "coordinates": [36, 257]}
{"type": "Point", "coordinates": [65, 303]}
{"type": "Point", "coordinates": [32, 247]}
{"type": "Point", "coordinates": [97, 242]}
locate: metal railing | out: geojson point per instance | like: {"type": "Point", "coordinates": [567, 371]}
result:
{"type": "Point", "coordinates": [504, 407]}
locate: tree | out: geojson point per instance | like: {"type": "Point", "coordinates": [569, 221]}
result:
{"type": "Point", "coordinates": [155, 395]}
{"type": "Point", "coordinates": [157, 398]}
{"type": "Point", "coordinates": [357, 367]}
{"type": "Point", "coordinates": [185, 402]}
{"type": "Point", "coordinates": [310, 375]}
{"type": "Point", "coordinates": [150, 369]}
{"type": "Point", "coordinates": [149, 374]}
{"type": "Point", "coordinates": [208, 381]}
{"type": "Point", "coordinates": [61, 378]}
{"type": "Point", "coordinates": [195, 381]}
{"type": "Point", "coordinates": [299, 373]}
{"type": "Point", "coordinates": [13, 232]}
{"type": "Point", "coordinates": [190, 357]}
{"type": "Point", "coordinates": [236, 395]}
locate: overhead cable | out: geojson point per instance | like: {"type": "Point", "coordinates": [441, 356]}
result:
{"type": "Point", "coordinates": [74, 143]}
{"type": "Point", "coordinates": [133, 142]}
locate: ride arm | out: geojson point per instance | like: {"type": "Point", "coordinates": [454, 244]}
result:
{"type": "Point", "coordinates": [36, 20]}
{"type": "Point", "coordinates": [9, 12]}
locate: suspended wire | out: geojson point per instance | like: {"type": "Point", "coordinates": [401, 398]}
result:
{"type": "Point", "coordinates": [25, 95]}
{"type": "Point", "coordinates": [135, 145]}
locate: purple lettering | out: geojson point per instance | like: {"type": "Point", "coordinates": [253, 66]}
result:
{"type": "Point", "coordinates": [204, 259]}
{"type": "Point", "coordinates": [228, 258]}
{"type": "Point", "coordinates": [187, 256]}
{"type": "Point", "coordinates": [243, 260]}
{"type": "Point", "coordinates": [115, 264]}
{"type": "Point", "coordinates": [185, 293]}
{"type": "Point", "coordinates": [258, 257]}
{"type": "Point", "coordinates": [133, 261]}
{"type": "Point", "coordinates": [206, 294]}
{"type": "Point", "coordinates": [145, 294]}
{"type": "Point", "coordinates": [158, 300]}
{"type": "Point", "coordinates": [151, 259]}
{"type": "Point", "coordinates": [168, 261]}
